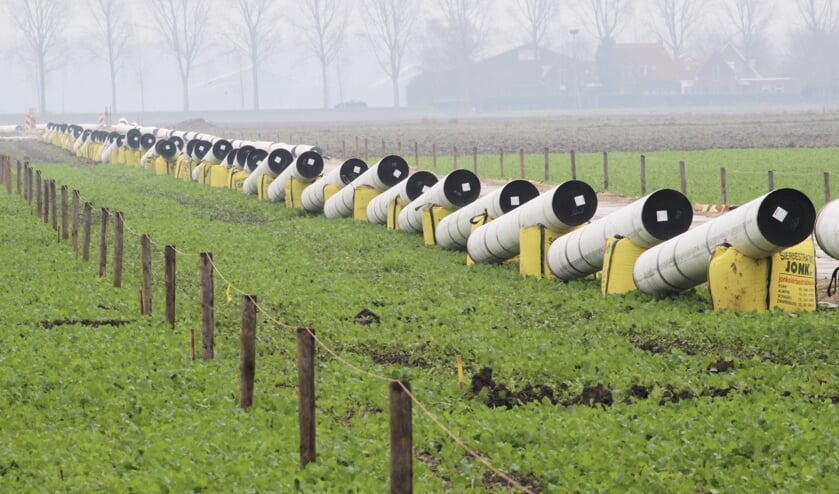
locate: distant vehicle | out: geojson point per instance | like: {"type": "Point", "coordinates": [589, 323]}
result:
{"type": "Point", "coordinates": [351, 104]}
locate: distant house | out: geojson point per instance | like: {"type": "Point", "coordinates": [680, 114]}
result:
{"type": "Point", "coordinates": [714, 75]}
{"type": "Point", "coordinates": [521, 78]}
{"type": "Point", "coordinates": [647, 69]}
{"type": "Point", "coordinates": [727, 71]}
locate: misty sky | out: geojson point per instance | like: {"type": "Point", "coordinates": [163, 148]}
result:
{"type": "Point", "coordinates": [290, 77]}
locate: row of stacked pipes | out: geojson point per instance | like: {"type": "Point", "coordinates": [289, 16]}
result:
{"type": "Point", "coordinates": [488, 227]}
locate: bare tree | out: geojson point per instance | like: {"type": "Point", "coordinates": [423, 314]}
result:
{"type": "Point", "coordinates": [182, 23]}
{"type": "Point", "coordinates": [820, 17]}
{"type": "Point", "coordinates": [675, 20]}
{"type": "Point", "coordinates": [604, 17]}
{"type": "Point", "coordinates": [535, 16]}
{"type": "Point", "coordinates": [259, 18]}
{"type": "Point", "coordinates": [457, 35]}
{"type": "Point", "coordinates": [389, 25]}
{"type": "Point", "coordinates": [112, 27]}
{"type": "Point", "coordinates": [323, 27]}
{"type": "Point", "coordinates": [812, 48]}
{"type": "Point", "coordinates": [40, 22]}
{"type": "Point", "coordinates": [750, 18]}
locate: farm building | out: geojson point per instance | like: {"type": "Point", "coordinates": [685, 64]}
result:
{"type": "Point", "coordinates": [522, 78]}
{"type": "Point", "coordinates": [526, 78]}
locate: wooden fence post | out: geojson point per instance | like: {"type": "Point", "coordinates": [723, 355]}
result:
{"type": "Point", "coordinates": [247, 354]}
{"type": "Point", "coordinates": [18, 177]}
{"type": "Point", "coordinates": [383, 148]}
{"type": "Point", "coordinates": [643, 175]}
{"type": "Point", "coordinates": [723, 190]}
{"type": "Point", "coordinates": [54, 206]}
{"type": "Point", "coordinates": [145, 255]}
{"type": "Point", "coordinates": [454, 156]}
{"type": "Point", "coordinates": [683, 178]}
{"type": "Point", "coordinates": [475, 160]}
{"type": "Point", "coordinates": [416, 154]}
{"type": "Point", "coordinates": [306, 394]}
{"type": "Point", "coordinates": [501, 162]}
{"type": "Point", "coordinates": [826, 187]}
{"type": "Point", "coordinates": [169, 274]}
{"type": "Point", "coordinates": [434, 155]}
{"type": "Point", "coordinates": [8, 175]}
{"type": "Point", "coordinates": [88, 214]}
{"type": "Point", "coordinates": [771, 180]}
{"type": "Point", "coordinates": [605, 170]}
{"type": "Point", "coordinates": [207, 301]}
{"type": "Point", "coordinates": [103, 243]}
{"type": "Point", "coordinates": [65, 214]}
{"type": "Point", "coordinates": [26, 183]}
{"type": "Point", "coordinates": [547, 164]}
{"type": "Point", "coordinates": [573, 165]}
{"type": "Point", "coordinates": [356, 146]}
{"type": "Point", "coordinates": [39, 202]}
{"type": "Point", "coordinates": [74, 230]}
{"type": "Point", "coordinates": [522, 169]}
{"type": "Point", "coordinates": [29, 185]}
{"type": "Point", "coordinates": [118, 248]}
{"type": "Point", "coordinates": [46, 217]}
{"type": "Point", "coordinates": [366, 151]}
{"type": "Point", "coordinates": [401, 439]}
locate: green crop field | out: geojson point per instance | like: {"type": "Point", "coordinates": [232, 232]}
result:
{"type": "Point", "coordinates": [565, 391]}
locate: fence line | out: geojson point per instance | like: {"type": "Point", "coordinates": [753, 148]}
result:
{"type": "Point", "coordinates": [402, 386]}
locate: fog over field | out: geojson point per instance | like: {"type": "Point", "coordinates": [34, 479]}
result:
{"type": "Point", "coordinates": [291, 75]}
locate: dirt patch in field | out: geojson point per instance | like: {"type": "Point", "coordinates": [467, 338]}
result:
{"type": "Point", "coordinates": [530, 481]}
{"type": "Point", "coordinates": [499, 395]}
{"type": "Point", "coordinates": [83, 322]}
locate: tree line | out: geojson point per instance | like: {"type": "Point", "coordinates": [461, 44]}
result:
{"type": "Point", "coordinates": [429, 34]}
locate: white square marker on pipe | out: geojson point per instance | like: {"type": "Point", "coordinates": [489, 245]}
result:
{"type": "Point", "coordinates": [515, 201]}
{"type": "Point", "coordinates": [780, 214]}
{"type": "Point", "coordinates": [580, 201]}
{"type": "Point", "coordinates": [397, 173]}
{"type": "Point", "coordinates": [356, 169]}
{"type": "Point", "coordinates": [661, 216]}
{"type": "Point", "coordinates": [310, 162]}
{"type": "Point", "coordinates": [466, 187]}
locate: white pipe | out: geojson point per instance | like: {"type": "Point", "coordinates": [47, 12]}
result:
{"type": "Point", "coordinates": [561, 209]}
{"type": "Point", "coordinates": [147, 141]}
{"type": "Point", "coordinates": [302, 148]}
{"type": "Point", "coordinates": [757, 229]}
{"type": "Point", "coordinates": [277, 160]}
{"type": "Point", "coordinates": [646, 222]}
{"type": "Point", "coordinates": [827, 229]}
{"type": "Point", "coordinates": [306, 168]}
{"type": "Point", "coordinates": [455, 190]}
{"type": "Point", "coordinates": [407, 190]}
{"type": "Point", "coordinates": [388, 172]}
{"type": "Point", "coordinates": [218, 151]}
{"type": "Point", "coordinates": [200, 149]}
{"type": "Point", "coordinates": [255, 157]}
{"type": "Point", "coordinates": [313, 199]}
{"type": "Point", "coordinates": [454, 230]}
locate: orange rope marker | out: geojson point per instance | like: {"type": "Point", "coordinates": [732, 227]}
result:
{"type": "Point", "coordinates": [460, 372]}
